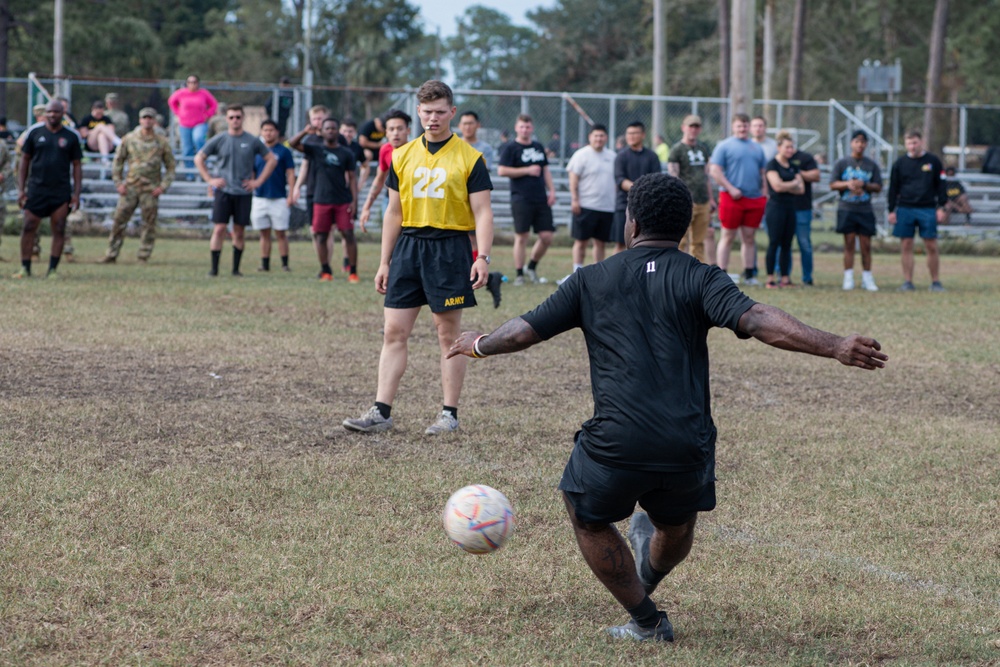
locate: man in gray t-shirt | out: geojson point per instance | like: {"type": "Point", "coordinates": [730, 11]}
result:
{"type": "Point", "coordinates": [857, 178]}
{"type": "Point", "coordinates": [234, 183]}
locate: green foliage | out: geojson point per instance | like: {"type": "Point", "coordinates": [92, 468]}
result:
{"type": "Point", "coordinates": [488, 51]}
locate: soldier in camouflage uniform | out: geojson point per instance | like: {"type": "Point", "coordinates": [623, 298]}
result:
{"type": "Point", "coordinates": [147, 153]}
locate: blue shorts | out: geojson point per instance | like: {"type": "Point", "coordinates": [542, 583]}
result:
{"type": "Point", "coordinates": [909, 219]}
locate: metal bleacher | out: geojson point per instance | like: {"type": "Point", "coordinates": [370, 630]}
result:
{"type": "Point", "coordinates": [187, 205]}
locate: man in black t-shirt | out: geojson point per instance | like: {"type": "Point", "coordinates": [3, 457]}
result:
{"type": "Point", "coordinates": [370, 136]}
{"type": "Point", "coordinates": [645, 314]}
{"type": "Point", "coordinates": [532, 194]}
{"type": "Point", "coordinates": [49, 151]}
{"type": "Point", "coordinates": [335, 193]}
{"type": "Point", "coordinates": [632, 161]}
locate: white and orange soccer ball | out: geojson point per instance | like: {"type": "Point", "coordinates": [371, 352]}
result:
{"type": "Point", "coordinates": [478, 518]}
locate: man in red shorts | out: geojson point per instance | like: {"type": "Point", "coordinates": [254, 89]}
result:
{"type": "Point", "coordinates": [737, 166]}
{"type": "Point", "coordinates": [334, 195]}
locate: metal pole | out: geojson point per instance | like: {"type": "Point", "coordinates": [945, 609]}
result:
{"type": "Point", "coordinates": [963, 135]}
{"type": "Point", "coordinates": [612, 120]}
{"type": "Point", "coordinates": [562, 128]}
{"type": "Point", "coordinates": [831, 129]}
{"type": "Point", "coordinates": [57, 49]}
{"type": "Point", "coordinates": [659, 63]}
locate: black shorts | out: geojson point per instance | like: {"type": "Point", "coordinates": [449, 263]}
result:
{"type": "Point", "coordinates": [603, 494]}
{"type": "Point", "coordinates": [43, 205]}
{"type": "Point", "coordinates": [431, 271]}
{"type": "Point", "coordinates": [856, 222]}
{"type": "Point", "coordinates": [227, 206]}
{"type": "Point", "coordinates": [528, 216]}
{"type": "Point", "coordinates": [592, 225]}
{"type": "Point", "coordinates": [618, 228]}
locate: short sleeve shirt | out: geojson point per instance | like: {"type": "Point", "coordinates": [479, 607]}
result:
{"type": "Point", "coordinates": [741, 160]}
{"type": "Point", "coordinates": [954, 189]}
{"type": "Point", "coordinates": [691, 161]}
{"type": "Point", "coordinates": [235, 155]}
{"type": "Point", "coordinates": [645, 314]}
{"type": "Point", "coordinates": [330, 167]}
{"type": "Point", "coordinates": [782, 199]}
{"type": "Point", "coordinates": [90, 122]}
{"type": "Point", "coordinates": [52, 155]}
{"type": "Point", "coordinates": [370, 132]}
{"type": "Point", "coordinates": [596, 170]}
{"type": "Point", "coordinates": [276, 185]}
{"type": "Point", "coordinates": [529, 189]}
{"type": "Point", "coordinates": [385, 157]}
{"type": "Point", "coordinates": [804, 162]}
{"type": "Point", "coordinates": [630, 165]}
{"type": "Point", "coordinates": [865, 170]}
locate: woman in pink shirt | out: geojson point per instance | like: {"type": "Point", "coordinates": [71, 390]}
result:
{"type": "Point", "coordinates": [193, 106]}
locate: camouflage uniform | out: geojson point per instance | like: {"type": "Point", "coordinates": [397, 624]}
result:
{"type": "Point", "coordinates": [7, 169]}
{"type": "Point", "coordinates": [145, 159]}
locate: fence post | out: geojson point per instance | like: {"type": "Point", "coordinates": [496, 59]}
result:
{"type": "Point", "coordinates": [525, 108]}
{"type": "Point", "coordinates": [963, 136]}
{"type": "Point", "coordinates": [612, 120]}
{"type": "Point", "coordinates": [831, 127]}
{"type": "Point", "coordinates": [562, 127]}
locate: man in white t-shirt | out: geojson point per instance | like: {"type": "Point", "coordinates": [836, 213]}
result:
{"type": "Point", "coordinates": [758, 132]}
{"type": "Point", "coordinates": [593, 190]}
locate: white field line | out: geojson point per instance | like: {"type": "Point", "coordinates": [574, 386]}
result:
{"type": "Point", "coordinates": [859, 564]}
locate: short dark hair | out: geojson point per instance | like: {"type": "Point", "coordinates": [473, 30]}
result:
{"type": "Point", "coordinates": [760, 118]}
{"type": "Point", "coordinates": [742, 117]}
{"type": "Point", "coordinates": [268, 122]}
{"type": "Point", "coordinates": [330, 119]}
{"type": "Point", "coordinates": [435, 90]}
{"type": "Point", "coordinates": [397, 113]}
{"type": "Point", "coordinates": [470, 113]}
{"type": "Point", "coordinates": [98, 104]}
{"type": "Point", "coordinates": [234, 107]}
{"type": "Point", "coordinates": [349, 122]}
{"type": "Point", "coordinates": [660, 205]}
{"type": "Point", "coordinates": [637, 123]}
{"type": "Point", "coordinates": [913, 133]}
{"type": "Point", "coordinates": [597, 127]}
{"type": "Point", "coordinates": [524, 118]}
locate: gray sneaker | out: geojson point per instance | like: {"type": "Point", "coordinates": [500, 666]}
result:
{"type": "Point", "coordinates": [663, 631]}
{"type": "Point", "coordinates": [640, 532]}
{"type": "Point", "coordinates": [370, 422]}
{"type": "Point", "coordinates": [907, 287]}
{"type": "Point", "coordinates": [533, 276]}
{"type": "Point", "coordinates": [518, 281]}
{"type": "Point", "coordinates": [936, 286]}
{"type": "Point", "coordinates": [445, 424]}
{"type": "Point", "coordinates": [751, 281]}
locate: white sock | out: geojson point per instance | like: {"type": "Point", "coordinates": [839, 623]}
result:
{"type": "Point", "coordinates": [866, 275]}
{"type": "Point", "coordinates": [848, 273]}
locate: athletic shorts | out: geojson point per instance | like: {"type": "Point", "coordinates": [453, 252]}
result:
{"type": "Point", "coordinates": [856, 222]}
{"type": "Point", "coordinates": [44, 205]}
{"type": "Point", "coordinates": [908, 220]}
{"type": "Point", "coordinates": [592, 225]}
{"type": "Point", "coordinates": [432, 272]}
{"type": "Point", "coordinates": [226, 206]}
{"type": "Point", "coordinates": [603, 494]}
{"type": "Point", "coordinates": [269, 214]}
{"type": "Point", "coordinates": [618, 228]}
{"type": "Point", "coordinates": [742, 212]}
{"type": "Point", "coordinates": [327, 216]}
{"type": "Point", "coordinates": [528, 217]}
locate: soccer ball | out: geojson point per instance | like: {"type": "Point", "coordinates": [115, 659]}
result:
{"type": "Point", "coordinates": [478, 518]}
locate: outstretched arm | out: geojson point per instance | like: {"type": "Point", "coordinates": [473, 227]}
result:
{"type": "Point", "coordinates": [779, 329]}
{"type": "Point", "coordinates": [511, 336]}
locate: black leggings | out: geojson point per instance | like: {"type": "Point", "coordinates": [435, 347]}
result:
{"type": "Point", "coordinates": [780, 232]}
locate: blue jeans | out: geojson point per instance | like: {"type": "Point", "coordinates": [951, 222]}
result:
{"type": "Point", "coordinates": [192, 139]}
{"type": "Point", "coordinates": [803, 225]}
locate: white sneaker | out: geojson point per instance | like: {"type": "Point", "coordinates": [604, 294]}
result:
{"type": "Point", "coordinates": [849, 282]}
{"type": "Point", "coordinates": [751, 281]}
{"type": "Point", "coordinates": [518, 281]}
{"type": "Point", "coordinates": [563, 279]}
{"type": "Point", "coordinates": [735, 277]}
{"type": "Point", "coordinates": [445, 424]}
{"type": "Point", "coordinates": [868, 282]}
{"type": "Point", "coordinates": [533, 276]}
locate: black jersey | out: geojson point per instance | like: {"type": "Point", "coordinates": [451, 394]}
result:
{"type": "Point", "coordinates": [645, 314]}
{"type": "Point", "coordinates": [52, 154]}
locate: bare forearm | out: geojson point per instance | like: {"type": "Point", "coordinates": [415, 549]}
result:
{"type": "Point", "coordinates": [511, 336]}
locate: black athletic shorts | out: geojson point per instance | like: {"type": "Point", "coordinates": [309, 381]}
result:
{"type": "Point", "coordinates": [44, 204]}
{"type": "Point", "coordinates": [856, 222]}
{"type": "Point", "coordinates": [431, 271]}
{"type": "Point", "coordinates": [603, 494]}
{"type": "Point", "coordinates": [592, 225]}
{"type": "Point", "coordinates": [227, 206]}
{"type": "Point", "coordinates": [528, 217]}
{"type": "Point", "coordinates": [618, 228]}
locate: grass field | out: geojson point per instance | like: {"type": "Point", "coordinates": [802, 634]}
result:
{"type": "Point", "coordinates": [176, 488]}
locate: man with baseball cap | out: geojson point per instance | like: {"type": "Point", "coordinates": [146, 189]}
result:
{"type": "Point", "coordinates": [147, 153]}
{"type": "Point", "coordinates": [688, 161]}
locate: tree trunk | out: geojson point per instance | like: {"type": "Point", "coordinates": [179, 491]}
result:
{"type": "Point", "coordinates": [935, 63]}
{"type": "Point", "coordinates": [724, 50]}
{"type": "Point", "coordinates": [742, 61]}
{"type": "Point", "coordinates": [795, 61]}
{"type": "Point", "coordinates": [769, 51]}
{"type": "Point", "coordinates": [5, 27]}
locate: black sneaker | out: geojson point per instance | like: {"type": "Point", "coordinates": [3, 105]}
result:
{"type": "Point", "coordinates": [493, 282]}
{"type": "Point", "coordinates": [663, 631]}
{"type": "Point", "coordinates": [640, 532]}
{"type": "Point", "coordinates": [237, 274]}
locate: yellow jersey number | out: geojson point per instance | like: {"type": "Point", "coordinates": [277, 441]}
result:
{"type": "Point", "coordinates": [430, 183]}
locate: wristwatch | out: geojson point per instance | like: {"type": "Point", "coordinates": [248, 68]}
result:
{"type": "Point", "coordinates": [485, 258]}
